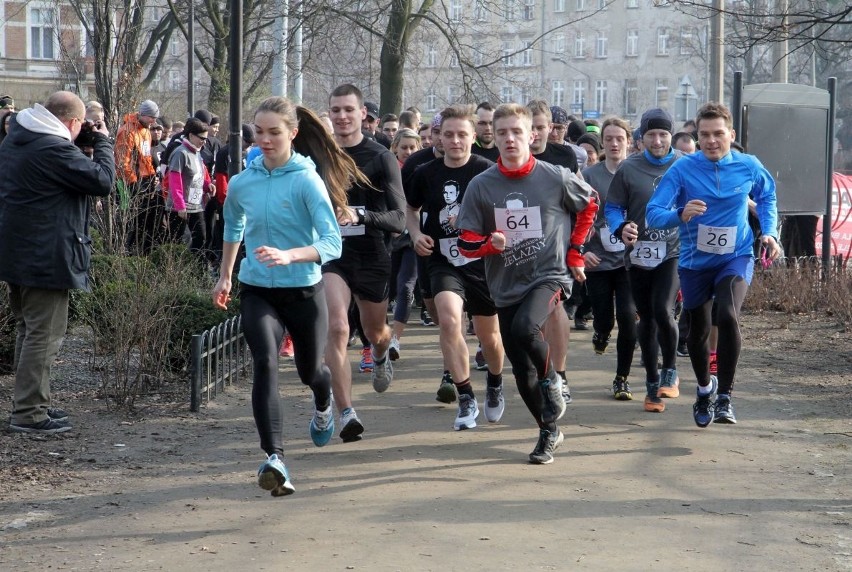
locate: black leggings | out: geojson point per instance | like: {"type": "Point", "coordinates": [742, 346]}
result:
{"type": "Point", "coordinates": [604, 286]}
{"type": "Point", "coordinates": [529, 354]}
{"type": "Point", "coordinates": [655, 292]}
{"type": "Point", "coordinates": [265, 314]}
{"type": "Point", "coordinates": [729, 294]}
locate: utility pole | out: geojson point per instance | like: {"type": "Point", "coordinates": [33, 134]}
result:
{"type": "Point", "coordinates": [780, 48]}
{"type": "Point", "coordinates": [279, 65]}
{"type": "Point", "coordinates": [190, 58]}
{"type": "Point", "coordinates": [717, 52]}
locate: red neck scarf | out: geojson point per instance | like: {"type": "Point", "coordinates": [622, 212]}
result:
{"type": "Point", "coordinates": [522, 171]}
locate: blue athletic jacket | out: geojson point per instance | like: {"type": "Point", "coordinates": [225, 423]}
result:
{"type": "Point", "coordinates": [286, 208]}
{"type": "Point", "coordinates": [724, 186]}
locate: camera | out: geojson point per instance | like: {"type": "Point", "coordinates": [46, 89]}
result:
{"type": "Point", "coordinates": [86, 138]}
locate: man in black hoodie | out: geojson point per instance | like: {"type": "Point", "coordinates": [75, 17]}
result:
{"type": "Point", "coordinates": [45, 249]}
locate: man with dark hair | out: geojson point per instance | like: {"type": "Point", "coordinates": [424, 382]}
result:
{"type": "Point", "coordinates": [408, 120]}
{"type": "Point", "coordinates": [370, 124]}
{"type": "Point", "coordinates": [390, 125]}
{"type": "Point", "coordinates": [484, 145]}
{"type": "Point", "coordinates": [363, 270]}
{"type": "Point", "coordinates": [45, 185]}
{"type": "Point", "coordinates": [683, 142]}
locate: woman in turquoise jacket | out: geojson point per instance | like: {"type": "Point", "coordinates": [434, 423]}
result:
{"type": "Point", "coordinates": [288, 217]}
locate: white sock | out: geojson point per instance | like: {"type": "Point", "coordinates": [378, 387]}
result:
{"type": "Point", "coordinates": [705, 389]}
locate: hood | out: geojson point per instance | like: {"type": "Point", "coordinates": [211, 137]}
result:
{"type": "Point", "coordinates": [297, 162]}
{"type": "Point", "coordinates": [39, 120]}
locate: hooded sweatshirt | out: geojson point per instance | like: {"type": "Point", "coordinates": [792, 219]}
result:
{"type": "Point", "coordinates": [286, 208]}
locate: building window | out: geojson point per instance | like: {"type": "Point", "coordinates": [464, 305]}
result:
{"type": "Point", "coordinates": [525, 95]}
{"type": "Point", "coordinates": [559, 43]}
{"type": "Point", "coordinates": [454, 60]}
{"type": "Point", "coordinates": [478, 57]}
{"type": "Point", "coordinates": [631, 94]}
{"type": "Point", "coordinates": [509, 9]}
{"type": "Point", "coordinates": [455, 10]}
{"type": "Point", "coordinates": [578, 96]}
{"type": "Point", "coordinates": [632, 3]}
{"type": "Point", "coordinates": [174, 79]}
{"type": "Point", "coordinates": [632, 43]}
{"type": "Point", "coordinates": [506, 94]}
{"type": "Point", "coordinates": [174, 48]}
{"type": "Point", "coordinates": [452, 94]}
{"type": "Point", "coordinates": [558, 95]}
{"type": "Point", "coordinates": [527, 54]}
{"type": "Point", "coordinates": [508, 56]}
{"type": "Point", "coordinates": [431, 56]}
{"type": "Point", "coordinates": [600, 95]}
{"type": "Point", "coordinates": [480, 11]}
{"type": "Point", "coordinates": [602, 4]}
{"type": "Point", "coordinates": [688, 41]}
{"type": "Point", "coordinates": [601, 47]}
{"type": "Point", "coordinates": [579, 46]}
{"type": "Point", "coordinates": [662, 41]}
{"type": "Point", "coordinates": [558, 5]}
{"type": "Point", "coordinates": [431, 99]}
{"type": "Point", "coordinates": [42, 34]}
{"type": "Point", "coordinates": [581, 5]}
{"type": "Point", "coordinates": [662, 95]}
{"type": "Point", "coordinates": [529, 9]}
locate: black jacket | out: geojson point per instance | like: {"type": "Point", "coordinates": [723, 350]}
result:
{"type": "Point", "coordinates": [45, 184]}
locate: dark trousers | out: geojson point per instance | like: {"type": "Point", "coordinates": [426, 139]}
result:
{"type": "Point", "coordinates": [145, 230]}
{"type": "Point", "coordinates": [654, 292]}
{"type": "Point", "coordinates": [197, 234]}
{"type": "Point", "coordinates": [609, 292]}
{"type": "Point", "coordinates": [41, 316]}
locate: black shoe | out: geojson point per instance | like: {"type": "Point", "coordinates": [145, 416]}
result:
{"type": "Point", "coordinates": [46, 427]}
{"type": "Point", "coordinates": [724, 412]}
{"type": "Point", "coordinates": [57, 414]}
{"type": "Point", "coordinates": [447, 389]}
{"type": "Point", "coordinates": [548, 442]}
{"type": "Point", "coordinates": [682, 350]}
{"type": "Point", "coordinates": [426, 319]}
{"type": "Point", "coordinates": [581, 324]}
{"type": "Point", "coordinates": [600, 342]}
{"type": "Point", "coordinates": [703, 410]}
{"type": "Point", "coordinates": [621, 389]}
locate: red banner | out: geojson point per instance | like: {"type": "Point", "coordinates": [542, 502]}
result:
{"type": "Point", "coordinates": [841, 219]}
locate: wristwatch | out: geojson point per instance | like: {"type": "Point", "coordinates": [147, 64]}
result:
{"type": "Point", "coordinates": [581, 248]}
{"type": "Point", "coordinates": [361, 213]}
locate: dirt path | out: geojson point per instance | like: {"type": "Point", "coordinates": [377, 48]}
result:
{"type": "Point", "coordinates": [628, 491]}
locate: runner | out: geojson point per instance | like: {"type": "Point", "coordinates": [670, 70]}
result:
{"type": "Point", "coordinates": [457, 283]}
{"type": "Point", "coordinates": [517, 215]}
{"type": "Point", "coordinates": [606, 276]}
{"type": "Point", "coordinates": [280, 278]}
{"type": "Point", "coordinates": [375, 210]}
{"type": "Point", "coordinates": [484, 145]}
{"type": "Point", "coordinates": [651, 254]}
{"type": "Point", "coordinates": [706, 195]}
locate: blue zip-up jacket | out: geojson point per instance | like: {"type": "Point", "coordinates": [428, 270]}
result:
{"type": "Point", "coordinates": [724, 186]}
{"type": "Point", "coordinates": [286, 208]}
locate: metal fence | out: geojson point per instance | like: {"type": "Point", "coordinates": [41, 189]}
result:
{"type": "Point", "coordinates": [218, 357]}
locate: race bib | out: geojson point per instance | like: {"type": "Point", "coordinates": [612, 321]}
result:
{"type": "Point", "coordinates": [717, 239]}
{"type": "Point", "coordinates": [518, 224]}
{"type": "Point", "coordinates": [648, 253]}
{"type": "Point", "coordinates": [352, 229]}
{"type": "Point", "coordinates": [196, 190]}
{"type": "Point", "coordinates": [610, 243]}
{"type": "Point", "coordinates": [146, 149]}
{"type": "Point", "coordinates": [450, 250]}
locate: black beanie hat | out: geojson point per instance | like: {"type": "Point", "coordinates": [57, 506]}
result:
{"type": "Point", "coordinates": [204, 116]}
{"type": "Point", "coordinates": [591, 139]}
{"type": "Point", "coordinates": [248, 133]}
{"type": "Point", "coordinates": [656, 118]}
{"type": "Point", "coordinates": [576, 129]}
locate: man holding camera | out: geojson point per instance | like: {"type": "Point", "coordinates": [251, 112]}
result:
{"type": "Point", "coordinates": [45, 249]}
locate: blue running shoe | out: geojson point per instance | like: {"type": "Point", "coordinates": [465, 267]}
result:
{"type": "Point", "coordinates": [272, 476]}
{"type": "Point", "coordinates": [703, 410]}
{"type": "Point", "coordinates": [724, 412]}
{"type": "Point", "coordinates": [322, 425]}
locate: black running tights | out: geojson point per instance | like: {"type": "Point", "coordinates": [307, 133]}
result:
{"type": "Point", "coordinates": [529, 354]}
{"type": "Point", "coordinates": [604, 287]}
{"type": "Point", "coordinates": [265, 314]}
{"type": "Point", "coordinates": [729, 294]}
{"type": "Point", "coordinates": [655, 293]}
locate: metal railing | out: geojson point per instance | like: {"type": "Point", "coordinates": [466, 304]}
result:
{"type": "Point", "coordinates": [218, 356]}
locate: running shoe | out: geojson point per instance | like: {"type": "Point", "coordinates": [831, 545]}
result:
{"type": "Point", "coordinates": [322, 426]}
{"type": "Point", "coordinates": [553, 403]}
{"type": "Point", "coordinates": [393, 349]}
{"type": "Point", "coordinates": [479, 361]}
{"type": "Point", "coordinates": [447, 389]}
{"type": "Point", "coordinates": [682, 350]}
{"type": "Point", "coordinates": [47, 427]}
{"type": "Point", "coordinates": [669, 382]}
{"type": "Point", "coordinates": [425, 318]}
{"type": "Point", "coordinates": [286, 349]}
{"type": "Point", "coordinates": [366, 360]}
{"type": "Point", "coordinates": [703, 410]}
{"type": "Point", "coordinates": [57, 414]}
{"type": "Point", "coordinates": [470, 330]}
{"type": "Point", "coordinates": [581, 323]}
{"type": "Point", "coordinates": [566, 392]}
{"type": "Point", "coordinates": [621, 389]}
{"type": "Point", "coordinates": [273, 476]}
{"type": "Point", "coordinates": [468, 412]}
{"type": "Point", "coordinates": [653, 403]}
{"type": "Point", "coordinates": [382, 374]}
{"type": "Point", "coordinates": [724, 411]}
{"type": "Point", "coordinates": [714, 366]}
{"type": "Point", "coordinates": [350, 426]}
{"type": "Point", "coordinates": [600, 343]}
{"type": "Point", "coordinates": [494, 404]}
{"type": "Point", "coordinates": [548, 442]}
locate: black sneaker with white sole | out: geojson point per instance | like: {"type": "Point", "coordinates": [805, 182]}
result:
{"type": "Point", "coordinates": [548, 442]}
{"type": "Point", "coordinates": [47, 427]}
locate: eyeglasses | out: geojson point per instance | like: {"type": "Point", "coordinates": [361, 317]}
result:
{"type": "Point", "coordinates": [200, 137]}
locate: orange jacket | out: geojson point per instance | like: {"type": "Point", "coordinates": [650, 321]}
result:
{"type": "Point", "coordinates": [133, 150]}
